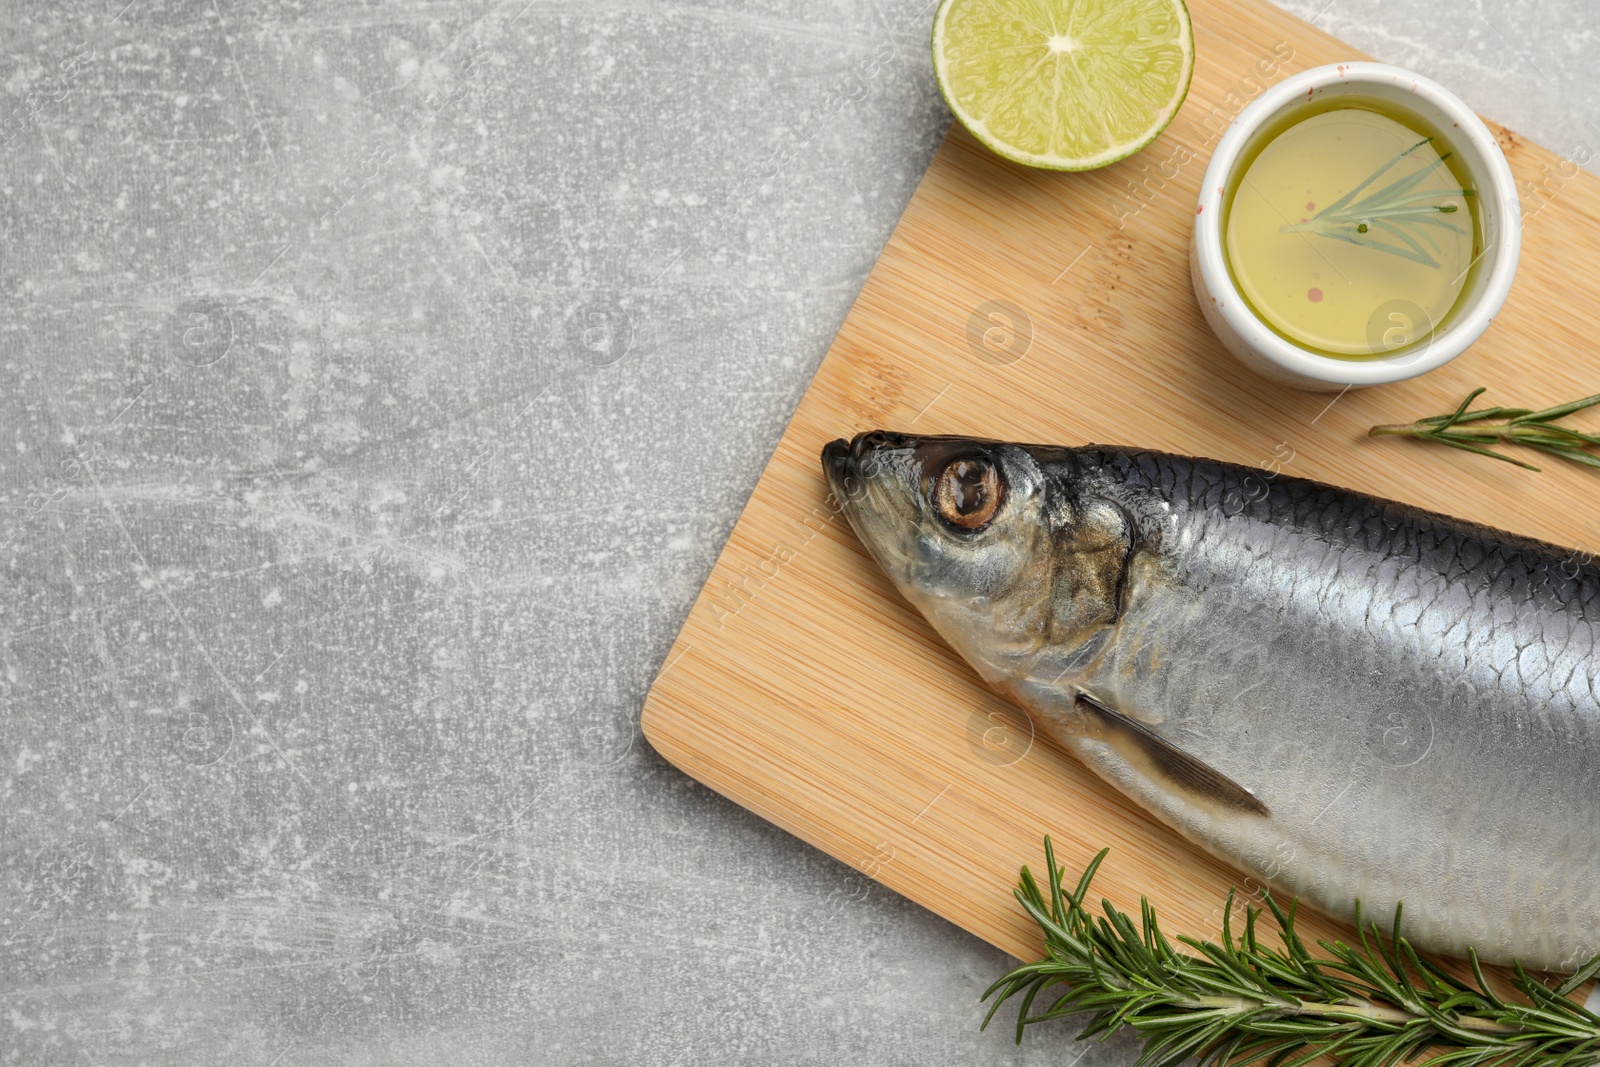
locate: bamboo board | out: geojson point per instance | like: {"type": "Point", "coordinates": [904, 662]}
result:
{"type": "Point", "coordinates": [804, 688]}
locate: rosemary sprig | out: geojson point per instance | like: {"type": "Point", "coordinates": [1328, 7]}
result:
{"type": "Point", "coordinates": [1397, 211]}
{"type": "Point", "coordinates": [1473, 430]}
{"type": "Point", "coordinates": [1242, 1001]}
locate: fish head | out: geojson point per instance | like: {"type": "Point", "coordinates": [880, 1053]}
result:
{"type": "Point", "coordinates": [989, 541]}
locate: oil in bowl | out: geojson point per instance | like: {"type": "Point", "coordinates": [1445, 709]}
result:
{"type": "Point", "coordinates": [1351, 231]}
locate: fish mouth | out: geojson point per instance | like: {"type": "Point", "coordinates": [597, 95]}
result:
{"type": "Point", "coordinates": [837, 465]}
{"type": "Point", "coordinates": [842, 459]}
{"type": "Point", "coordinates": [839, 452]}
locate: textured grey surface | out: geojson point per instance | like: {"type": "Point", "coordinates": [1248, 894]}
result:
{"type": "Point", "coordinates": [377, 385]}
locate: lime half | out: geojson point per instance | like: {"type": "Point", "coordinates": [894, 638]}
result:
{"type": "Point", "coordinates": [1064, 84]}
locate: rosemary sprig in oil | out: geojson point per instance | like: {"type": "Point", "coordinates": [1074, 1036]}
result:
{"type": "Point", "coordinates": [1242, 1001]}
{"type": "Point", "coordinates": [1472, 431]}
{"type": "Point", "coordinates": [1397, 211]}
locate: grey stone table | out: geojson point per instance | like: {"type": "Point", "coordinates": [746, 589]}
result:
{"type": "Point", "coordinates": [377, 385]}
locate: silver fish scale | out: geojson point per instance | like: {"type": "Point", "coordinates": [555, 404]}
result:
{"type": "Point", "coordinates": [1413, 697]}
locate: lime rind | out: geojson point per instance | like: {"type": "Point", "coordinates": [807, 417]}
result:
{"type": "Point", "coordinates": [1024, 75]}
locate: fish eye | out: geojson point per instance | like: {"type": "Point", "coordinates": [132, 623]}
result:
{"type": "Point", "coordinates": [968, 492]}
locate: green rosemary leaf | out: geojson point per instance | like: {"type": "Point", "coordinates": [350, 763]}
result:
{"type": "Point", "coordinates": [1023, 1019]}
{"type": "Point", "coordinates": [1549, 433]}
{"type": "Point", "coordinates": [1483, 985]}
{"type": "Point", "coordinates": [1428, 216]}
{"type": "Point", "coordinates": [1586, 458]}
{"type": "Point", "coordinates": [1490, 452]}
{"type": "Point", "coordinates": [1056, 910]}
{"type": "Point", "coordinates": [1088, 876]}
{"type": "Point", "coordinates": [1462, 410]}
{"type": "Point", "coordinates": [1418, 253]}
{"type": "Point", "coordinates": [1580, 976]}
{"type": "Point", "coordinates": [1460, 413]}
{"type": "Point", "coordinates": [1560, 410]}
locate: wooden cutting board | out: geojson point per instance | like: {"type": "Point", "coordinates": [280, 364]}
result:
{"type": "Point", "coordinates": [1038, 306]}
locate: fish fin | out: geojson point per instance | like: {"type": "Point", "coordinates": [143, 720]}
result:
{"type": "Point", "coordinates": [1173, 764]}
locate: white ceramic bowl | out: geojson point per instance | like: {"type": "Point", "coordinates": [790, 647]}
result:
{"type": "Point", "coordinates": [1268, 352]}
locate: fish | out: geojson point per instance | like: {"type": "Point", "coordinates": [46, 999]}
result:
{"type": "Point", "coordinates": [1348, 698]}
